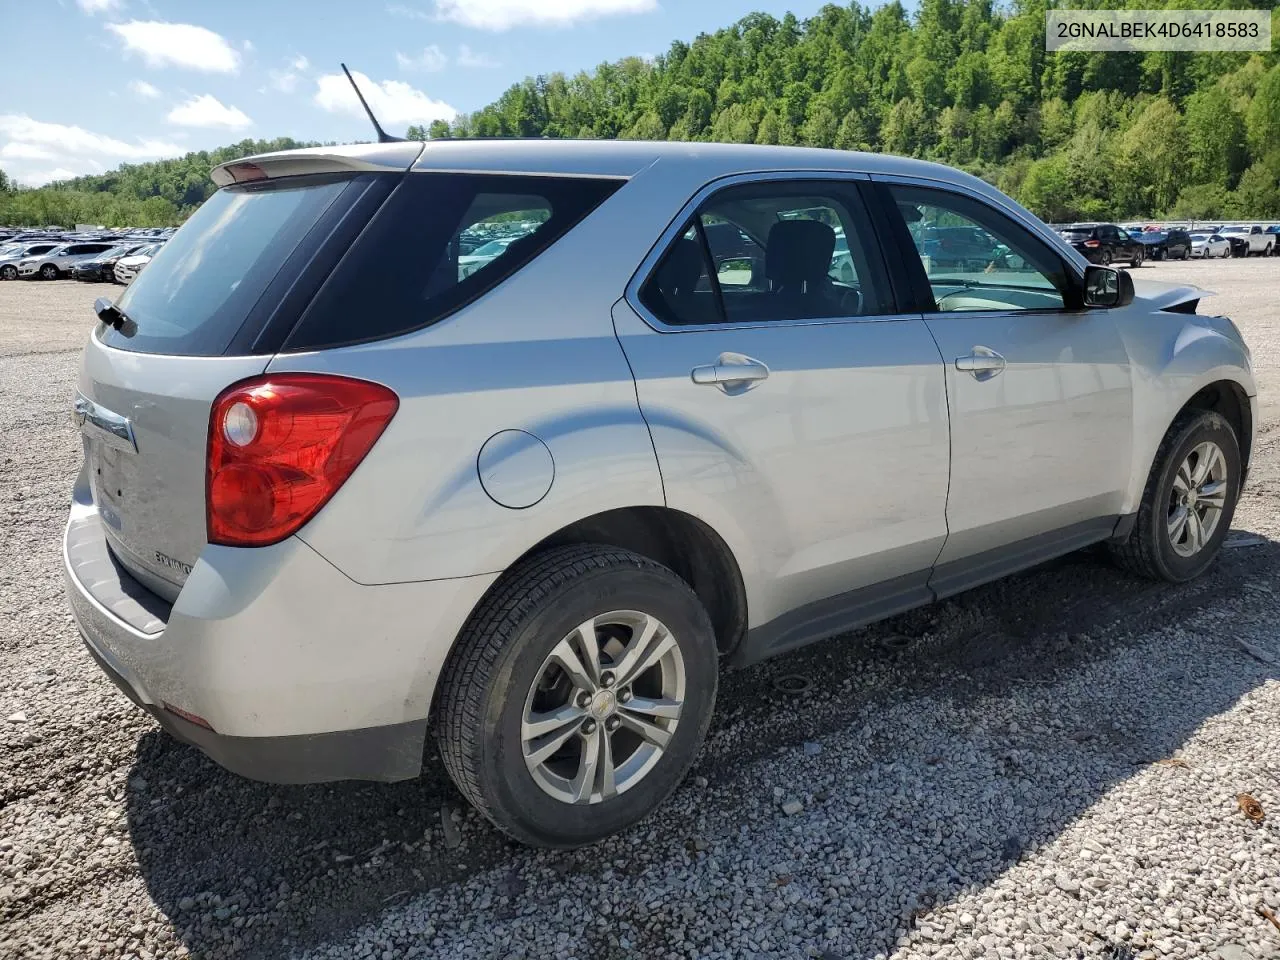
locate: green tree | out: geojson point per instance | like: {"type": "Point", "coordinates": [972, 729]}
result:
{"type": "Point", "coordinates": [1215, 138]}
{"type": "Point", "coordinates": [1258, 195]}
{"type": "Point", "coordinates": [1201, 201]}
{"type": "Point", "coordinates": [1263, 118]}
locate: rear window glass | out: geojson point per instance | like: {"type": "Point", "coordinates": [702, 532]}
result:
{"type": "Point", "coordinates": [192, 298]}
{"type": "Point", "coordinates": [441, 241]}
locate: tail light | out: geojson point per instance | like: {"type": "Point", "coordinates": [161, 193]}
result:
{"type": "Point", "coordinates": [1092, 243]}
{"type": "Point", "coordinates": [281, 445]}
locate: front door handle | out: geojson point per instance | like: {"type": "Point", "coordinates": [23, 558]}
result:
{"type": "Point", "coordinates": [733, 373]}
{"type": "Point", "coordinates": [984, 363]}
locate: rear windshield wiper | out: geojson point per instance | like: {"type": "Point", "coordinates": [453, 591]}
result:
{"type": "Point", "coordinates": [113, 316]}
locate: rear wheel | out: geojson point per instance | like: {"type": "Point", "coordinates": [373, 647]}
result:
{"type": "Point", "coordinates": [578, 695]}
{"type": "Point", "coordinates": [1188, 503]}
{"type": "Point", "coordinates": [8, 272]}
{"type": "Point", "coordinates": [1105, 258]}
{"type": "Point", "coordinates": [49, 272]}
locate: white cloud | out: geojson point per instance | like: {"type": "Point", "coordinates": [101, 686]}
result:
{"type": "Point", "coordinates": [430, 60]}
{"type": "Point", "coordinates": [26, 151]}
{"type": "Point", "coordinates": [504, 14]}
{"type": "Point", "coordinates": [141, 88]}
{"type": "Point", "coordinates": [208, 111]}
{"type": "Point", "coordinates": [469, 58]}
{"type": "Point", "coordinates": [177, 44]}
{"type": "Point", "coordinates": [393, 102]}
{"type": "Point", "coordinates": [286, 81]}
{"type": "Point", "coordinates": [98, 6]}
{"type": "Point", "coordinates": [36, 152]}
{"type": "Point", "coordinates": [409, 13]}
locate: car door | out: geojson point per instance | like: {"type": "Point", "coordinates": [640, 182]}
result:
{"type": "Point", "coordinates": [1041, 403]}
{"type": "Point", "coordinates": [801, 416]}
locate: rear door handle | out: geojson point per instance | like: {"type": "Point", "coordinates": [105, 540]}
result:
{"type": "Point", "coordinates": [733, 373]}
{"type": "Point", "coordinates": [984, 363]}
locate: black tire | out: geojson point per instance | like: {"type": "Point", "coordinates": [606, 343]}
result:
{"type": "Point", "coordinates": [8, 272]}
{"type": "Point", "coordinates": [1105, 258]}
{"type": "Point", "coordinates": [1137, 259]}
{"type": "Point", "coordinates": [1186, 254]}
{"type": "Point", "coordinates": [499, 656]}
{"type": "Point", "coordinates": [1148, 550]}
{"type": "Point", "coordinates": [49, 272]}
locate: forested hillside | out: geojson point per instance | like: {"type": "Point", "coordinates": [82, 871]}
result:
{"type": "Point", "coordinates": [1071, 135]}
{"type": "Point", "coordinates": [153, 194]}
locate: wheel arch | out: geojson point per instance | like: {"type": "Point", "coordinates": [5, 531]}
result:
{"type": "Point", "coordinates": [679, 541]}
{"type": "Point", "coordinates": [1228, 398]}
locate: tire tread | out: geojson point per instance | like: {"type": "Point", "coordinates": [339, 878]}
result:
{"type": "Point", "coordinates": [1137, 553]}
{"type": "Point", "coordinates": [470, 667]}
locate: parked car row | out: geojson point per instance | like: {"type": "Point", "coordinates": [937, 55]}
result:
{"type": "Point", "coordinates": [95, 260]}
{"type": "Point", "coordinates": [1108, 243]}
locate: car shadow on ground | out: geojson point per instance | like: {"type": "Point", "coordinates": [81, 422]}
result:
{"type": "Point", "coordinates": [242, 868]}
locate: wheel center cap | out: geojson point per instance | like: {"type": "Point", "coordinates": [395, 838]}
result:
{"type": "Point", "coordinates": [603, 704]}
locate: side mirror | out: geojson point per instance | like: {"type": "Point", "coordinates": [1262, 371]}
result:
{"type": "Point", "coordinates": [1107, 287]}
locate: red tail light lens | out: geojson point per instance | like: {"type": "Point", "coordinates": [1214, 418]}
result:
{"type": "Point", "coordinates": [281, 445]}
{"type": "Point", "coordinates": [1092, 243]}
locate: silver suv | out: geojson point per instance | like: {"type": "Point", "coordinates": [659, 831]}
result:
{"type": "Point", "coordinates": [341, 491]}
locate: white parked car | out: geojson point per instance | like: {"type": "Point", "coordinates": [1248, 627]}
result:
{"type": "Point", "coordinates": [129, 267]}
{"type": "Point", "coordinates": [1206, 245]}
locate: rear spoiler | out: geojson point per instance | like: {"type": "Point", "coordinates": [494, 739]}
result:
{"type": "Point", "coordinates": [363, 157]}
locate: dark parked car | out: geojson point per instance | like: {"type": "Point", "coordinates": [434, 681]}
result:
{"type": "Point", "coordinates": [1174, 244]}
{"type": "Point", "coordinates": [1104, 243]}
{"type": "Point", "coordinates": [103, 268]}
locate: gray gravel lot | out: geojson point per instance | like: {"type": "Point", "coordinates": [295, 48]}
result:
{"type": "Point", "coordinates": [1048, 766]}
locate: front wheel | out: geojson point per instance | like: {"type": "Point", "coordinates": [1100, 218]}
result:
{"type": "Point", "coordinates": [1137, 259]}
{"type": "Point", "coordinates": [1188, 503]}
{"type": "Point", "coordinates": [578, 695]}
{"type": "Point", "coordinates": [8, 272]}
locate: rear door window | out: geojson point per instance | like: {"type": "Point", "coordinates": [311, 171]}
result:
{"type": "Point", "coordinates": [782, 250]}
{"type": "Point", "coordinates": [441, 241]}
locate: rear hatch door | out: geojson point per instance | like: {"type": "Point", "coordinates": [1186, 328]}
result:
{"type": "Point", "coordinates": [210, 310]}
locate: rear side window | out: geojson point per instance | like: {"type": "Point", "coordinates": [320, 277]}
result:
{"type": "Point", "coordinates": [193, 297]}
{"type": "Point", "coordinates": [441, 241]}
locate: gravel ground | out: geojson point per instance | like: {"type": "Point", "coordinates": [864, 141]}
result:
{"type": "Point", "coordinates": [1048, 766]}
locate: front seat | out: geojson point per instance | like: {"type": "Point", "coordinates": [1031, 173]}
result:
{"type": "Point", "coordinates": [797, 261]}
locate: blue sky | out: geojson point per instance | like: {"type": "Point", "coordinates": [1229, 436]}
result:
{"type": "Point", "coordinates": [113, 81]}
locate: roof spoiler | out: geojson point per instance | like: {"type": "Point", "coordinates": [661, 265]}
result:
{"type": "Point", "coordinates": [395, 157]}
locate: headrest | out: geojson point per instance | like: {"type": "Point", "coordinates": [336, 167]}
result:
{"type": "Point", "coordinates": [682, 268]}
{"type": "Point", "coordinates": [799, 251]}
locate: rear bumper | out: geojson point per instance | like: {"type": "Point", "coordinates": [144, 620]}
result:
{"type": "Point", "coordinates": [388, 753]}
{"type": "Point", "coordinates": [302, 674]}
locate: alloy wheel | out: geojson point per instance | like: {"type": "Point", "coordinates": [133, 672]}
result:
{"type": "Point", "coordinates": [603, 708]}
{"type": "Point", "coordinates": [1197, 499]}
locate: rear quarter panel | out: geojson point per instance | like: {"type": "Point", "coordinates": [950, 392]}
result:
{"type": "Point", "coordinates": [536, 354]}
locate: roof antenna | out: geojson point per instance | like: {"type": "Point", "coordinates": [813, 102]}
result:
{"type": "Point", "coordinates": [383, 136]}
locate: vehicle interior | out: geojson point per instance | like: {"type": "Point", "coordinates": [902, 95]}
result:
{"type": "Point", "coordinates": [777, 257]}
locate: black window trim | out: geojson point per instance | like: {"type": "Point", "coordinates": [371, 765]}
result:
{"type": "Point", "coordinates": [680, 224]}
{"type": "Point", "coordinates": [908, 262]}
